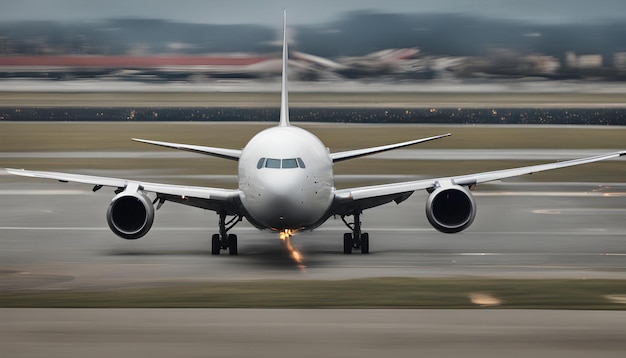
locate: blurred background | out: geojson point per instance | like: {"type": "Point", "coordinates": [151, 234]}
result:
{"type": "Point", "coordinates": [398, 40]}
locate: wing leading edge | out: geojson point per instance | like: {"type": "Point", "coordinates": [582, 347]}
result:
{"type": "Point", "coordinates": [375, 195]}
{"type": "Point", "coordinates": [204, 197]}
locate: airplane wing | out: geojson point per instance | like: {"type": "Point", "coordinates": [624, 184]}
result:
{"type": "Point", "coordinates": [231, 154]}
{"type": "Point", "coordinates": [371, 196]}
{"type": "Point", "coordinates": [203, 197]}
{"type": "Point", "coordinates": [351, 154]}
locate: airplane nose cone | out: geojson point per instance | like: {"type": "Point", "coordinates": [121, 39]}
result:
{"type": "Point", "coordinates": [285, 192]}
{"type": "Point", "coordinates": [283, 201]}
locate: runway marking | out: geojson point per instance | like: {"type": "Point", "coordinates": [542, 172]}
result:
{"type": "Point", "coordinates": [44, 192]}
{"type": "Point", "coordinates": [480, 254]}
{"type": "Point", "coordinates": [577, 211]}
{"type": "Point", "coordinates": [404, 154]}
{"type": "Point", "coordinates": [613, 194]}
{"type": "Point", "coordinates": [528, 253]}
{"type": "Point", "coordinates": [547, 212]}
{"type": "Point", "coordinates": [399, 230]}
{"type": "Point", "coordinates": [572, 194]}
{"type": "Point", "coordinates": [65, 228]}
{"type": "Point", "coordinates": [376, 229]}
{"type": "Point", "coordinates": [50, 228]}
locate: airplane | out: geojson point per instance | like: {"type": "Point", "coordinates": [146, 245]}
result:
{"type": "Point", "coordinates": [285, 184]}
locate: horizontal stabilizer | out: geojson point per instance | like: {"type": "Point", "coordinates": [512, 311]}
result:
{"type": "Point", "coordinates": [351, 154]}
{"type": "Point", "coordinates": [231, 154]}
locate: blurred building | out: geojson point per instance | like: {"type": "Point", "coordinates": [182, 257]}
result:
{"type": "Point", "coordinates": [583, 61]}
{"type": "Point", "coordinates": [619, 61]}
{"type": "Point", "coordinates": [542, 64]}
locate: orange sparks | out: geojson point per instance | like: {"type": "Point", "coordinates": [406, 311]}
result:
{"type": "Point", "coordinates": [285, 236]}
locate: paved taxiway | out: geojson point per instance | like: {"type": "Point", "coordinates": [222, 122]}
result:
{"type": "Point", "coordinates": [55, 235]}
{"type": "Point", "coordinates": [310, 333]}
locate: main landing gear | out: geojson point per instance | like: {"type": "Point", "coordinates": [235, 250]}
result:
{"type": "Point", "coordinates": [223, 240]}
{"type": "Point", "coordinates": [356, 239]}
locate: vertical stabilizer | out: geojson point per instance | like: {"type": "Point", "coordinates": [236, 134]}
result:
{"type": "Point", "coordinates": [284, 102]}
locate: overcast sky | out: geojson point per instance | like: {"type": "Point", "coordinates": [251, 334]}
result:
{"type": "Point", "coordinates": [269, 12]}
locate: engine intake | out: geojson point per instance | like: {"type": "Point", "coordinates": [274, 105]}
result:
{"type": "Point", "coordinates": [451, 209]}
{"type": "Point", "coordinates": [130, 215]}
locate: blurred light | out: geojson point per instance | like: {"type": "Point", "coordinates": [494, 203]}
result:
{"type": "Point", "coordinates": [617, 298]}
{"type": "Point", "coordinates": [484, 299]}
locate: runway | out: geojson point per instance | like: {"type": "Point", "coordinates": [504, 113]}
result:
{"type": "Point", "coordinates": [55, 236]}
{"type": "Point", "coordinates": [398, 154]}
{"type": "Point", "coordinates": [310, 333]}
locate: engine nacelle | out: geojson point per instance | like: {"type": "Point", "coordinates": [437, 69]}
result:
{"type": "Point", "coordinates": [130, 215]}
{"type": "Point", "coordinates": [451, 209]}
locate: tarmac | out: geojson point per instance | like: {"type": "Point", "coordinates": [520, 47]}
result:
{"type": "Point", "coordinates": [310, 333]}
{"type": "Point", "coordinates": [54, 236]}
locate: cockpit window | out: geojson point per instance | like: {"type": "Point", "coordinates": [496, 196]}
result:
{"type": "Point", "coordinates": [301, 163]}
{"type": "Point", "coordinates": [290, 163]}
{"type": "Point", "coordinates": [272, 163]}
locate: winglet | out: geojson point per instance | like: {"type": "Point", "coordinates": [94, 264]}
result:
{"type": "Point", "coordinates": [284, 102]}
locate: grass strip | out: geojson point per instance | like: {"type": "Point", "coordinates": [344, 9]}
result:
{"type": "Point", "coordinates": [416, 293]}
{"type": "Point", "coordinates": [307, 99]}
{"type": "Point", "coordinates": [115, 136]}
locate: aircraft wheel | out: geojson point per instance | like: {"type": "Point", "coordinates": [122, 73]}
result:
{"type": "Point", "coordinates": [347, 243]}
{"type": "Point", "coordinates": [216, 244]}
{"type": "Point", "coordinates": [365, 243]}
{"type": "Point", "coordinates": [232, 244]}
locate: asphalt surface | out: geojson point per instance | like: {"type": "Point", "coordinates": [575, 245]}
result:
{"type": "Point", "coordinates": [310, 333]}
{"type": "Point", "coordinates": [55, 236]}
{"type": "Point", "coordinates": [399, 154]}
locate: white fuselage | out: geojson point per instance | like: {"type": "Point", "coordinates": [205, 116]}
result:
{"type": "Point", "coordinates": [285, 179]}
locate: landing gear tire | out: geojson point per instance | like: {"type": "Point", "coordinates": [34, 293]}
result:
{"type": "Point", "coordinates": [347, 243]}
{"type": "Point", "coordinates": [216, 244]}
{"type": "Point", "coordinates": [365, 243]}
{"type": "Point", "coordinates": [232, 244]}
{"type": "Point", "coordinates": [357, 239]}
{"type": "Point", "coordinates": [223, 240]}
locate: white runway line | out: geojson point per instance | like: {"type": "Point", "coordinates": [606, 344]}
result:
{"type": "Point", "coordinates": [583, 211]}
{"type": "Point", "coordinates": [399, 154]}
{"type": "Point", "coordinates": [210, 228]}
{"type": "Point", "coordinates": [44, 192]}
{"type": "Point", "coordinates": [572, 194]}
{"type": "Point", "coordinates": [66, 228]}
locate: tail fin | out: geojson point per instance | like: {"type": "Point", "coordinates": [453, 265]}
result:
{"type": "Point", "coordinates": [284, 101]}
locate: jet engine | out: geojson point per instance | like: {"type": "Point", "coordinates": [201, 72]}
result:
{"type": "Point", "coordinates": [130, 215]}
{"type": "Point", "coordinates": [451, 209]}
